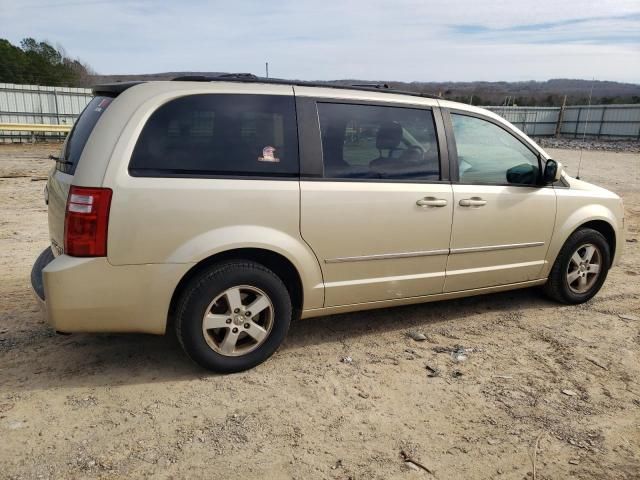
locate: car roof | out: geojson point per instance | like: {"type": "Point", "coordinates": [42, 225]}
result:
{"type": "Point", "coordinates": [248, 83]}
{"type": "Point", "coordinates": [119, 87]}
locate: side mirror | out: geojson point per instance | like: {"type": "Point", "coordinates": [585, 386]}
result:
{"type": "Point", "coordinates": [552, 171]}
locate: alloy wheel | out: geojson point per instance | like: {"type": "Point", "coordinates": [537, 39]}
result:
{"type": "Point", "coordinates": [584, 268]}
{"type": "Point", "coordinates": [238, 320]}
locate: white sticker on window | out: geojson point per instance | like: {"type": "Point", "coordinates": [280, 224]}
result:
{"type": "Point", "coordinates": [268, 155]}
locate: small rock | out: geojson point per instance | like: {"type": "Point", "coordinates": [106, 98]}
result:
{"type": "Point", "coordinates": [493, 441]}
{"type": "Point", "coordinates": [15, 425]}
{"type": "Point", "coordinates": [363, 395]}
{"type": "Point", "coordinates": [412, 466]}
{"type": "Point", "coordinates": [632, 240]}
{"type": "Point", "coordinates": [433, 371]}
{"type": "Point", "coordinates": [458, 357]}
{"type": "Point", "coordinates": [347, 360]}
{"type": "Point", "coordinates": [456, 374]}
{"type": "Point", "coordinates": [460, 353]}
{"type": "Point", "coordinates": [569, 393]}
{"type": "Point", "coordinates": [573, 461]}
{"type": "Point", "coordinates": [629, 316]}
{"type": "Point", "coordinates": [417, 336]}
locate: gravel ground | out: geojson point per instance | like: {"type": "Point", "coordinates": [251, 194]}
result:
{"type": "Point", "coordinates": [621, 146]}
{"type": "Point", "coordinates": [517, 387]}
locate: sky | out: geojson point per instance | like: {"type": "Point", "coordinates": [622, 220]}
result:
{"type": "Point", "coordinates": [406, 40]}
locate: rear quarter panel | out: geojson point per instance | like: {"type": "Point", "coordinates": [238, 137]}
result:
{"type": "Point", "coordinates": [185, 220]}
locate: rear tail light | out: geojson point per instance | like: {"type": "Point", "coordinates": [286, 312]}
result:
{"type": "Point", "coordinates": [85, 222]}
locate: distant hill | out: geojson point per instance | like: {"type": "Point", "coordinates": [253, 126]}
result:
{"type": "Point", "coordinates": [545, 93]}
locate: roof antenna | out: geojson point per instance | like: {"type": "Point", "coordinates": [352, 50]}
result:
{"type": "Point", "coordinates": [584, 132]}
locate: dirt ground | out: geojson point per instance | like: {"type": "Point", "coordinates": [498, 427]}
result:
{"type": "Point", "coordinates": [115, 406]}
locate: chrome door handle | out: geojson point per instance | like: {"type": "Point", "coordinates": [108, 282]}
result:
{"type": "Point", "coordinates": [472, 202]}
{"type": "Point", "coordinates": [431, 202]}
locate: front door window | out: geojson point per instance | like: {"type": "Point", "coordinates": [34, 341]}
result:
{"type": "Point", "coordinates": [488, 154]}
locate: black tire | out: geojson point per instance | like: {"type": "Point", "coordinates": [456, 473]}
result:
{"type": "Point", "coordinates": [557, 286]}
{"type": "Point", "coordinates": [211, 283]}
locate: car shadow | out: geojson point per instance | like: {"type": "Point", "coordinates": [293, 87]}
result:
{"type": "Point", "coordinates": [349, 326]}
{"type": "Point", "coordinates": [93, 360]}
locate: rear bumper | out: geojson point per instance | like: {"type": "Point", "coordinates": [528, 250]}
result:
{"type": "Point", "coordinates": [91, 295]}
{"type": "Point", "coordinates": [44, 259]}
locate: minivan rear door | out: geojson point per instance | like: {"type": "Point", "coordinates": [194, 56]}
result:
{"type": "Point", "coordinates": [61, 177]}
{"type": "Point", "coordinates": [376, 204]}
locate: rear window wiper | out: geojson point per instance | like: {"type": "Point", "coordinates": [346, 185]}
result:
{"type": "Point", "coordinates": [58, 160]}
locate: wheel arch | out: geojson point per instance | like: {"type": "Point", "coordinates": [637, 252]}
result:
{"type": "Point", "coordinates": [596, 217]}
{"type": "Point", "coordinates": [277, 263]}
{"type": "Point", "coordinates": [607, 231]}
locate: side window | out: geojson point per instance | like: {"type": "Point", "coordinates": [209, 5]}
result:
{"type": "Point", "coordinates": [219, 134]}
{"type": "Point", "coordinates": [364, 141]}
{"type": "Point", "coordinates": [489, 154]}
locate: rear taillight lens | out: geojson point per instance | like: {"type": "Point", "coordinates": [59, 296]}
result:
{"type": "Point", "coordinates": [85, 222]}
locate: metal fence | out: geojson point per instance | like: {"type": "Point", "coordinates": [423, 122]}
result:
{"type": "Point", "coordinates": [599, 121]}
{"type": "Point", "coordinates": [62, 105]}
{"type": "Point", "coordinates": [41, 105]}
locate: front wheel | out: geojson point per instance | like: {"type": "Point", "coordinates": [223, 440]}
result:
{"type": "Point", "coordinates": [581, 267]}
{"type": "Point", "coordinates": [233, 316]}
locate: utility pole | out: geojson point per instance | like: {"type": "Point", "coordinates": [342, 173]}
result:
{"type": "Point", "coordinates": [561, 116]}
{"type": "Point", "coordinates": [266, 69]}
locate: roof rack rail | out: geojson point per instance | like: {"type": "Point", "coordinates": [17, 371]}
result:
{"type": "Point", "coordinates": [251, 78]}
{"type": "Point", "coordinates": [222, 76]}
{"type": "Point", "coordinates": [372, 85]}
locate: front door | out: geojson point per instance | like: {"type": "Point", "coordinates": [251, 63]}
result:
{"type": "Point", "coordinates": [502, 219]}
{"type": "Point", "coordinates": [379, 218]}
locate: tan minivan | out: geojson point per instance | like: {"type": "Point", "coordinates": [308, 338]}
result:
{"type": "Point", "coordinates": [226, 207]}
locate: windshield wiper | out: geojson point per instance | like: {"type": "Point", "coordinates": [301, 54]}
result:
{"type": "Point", "coordinates": [58, 160]}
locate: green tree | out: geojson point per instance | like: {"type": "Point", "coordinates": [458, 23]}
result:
{"type": "Point", "coordinates": [39, 63]}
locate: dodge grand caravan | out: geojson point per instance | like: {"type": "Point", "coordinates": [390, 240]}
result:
{"type": "Point", "coordinates": [225, 208]}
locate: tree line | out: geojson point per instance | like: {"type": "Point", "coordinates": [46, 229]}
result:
{"type": "Point", "coordinates": [40, 63]}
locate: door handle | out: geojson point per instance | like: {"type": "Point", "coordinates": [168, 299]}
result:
{"type": "Point", "coordinates": [431, 202]}
{"type": "Point", "coordinates": [472, 202]}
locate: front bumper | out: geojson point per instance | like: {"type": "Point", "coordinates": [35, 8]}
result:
{"type": "Point", "coordinates": [91, 295]}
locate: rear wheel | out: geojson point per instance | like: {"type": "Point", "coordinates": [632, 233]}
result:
{"type": "Point", "coordinates": [233, 316]}
{"type": "Point", "coordinates": [581, 267]}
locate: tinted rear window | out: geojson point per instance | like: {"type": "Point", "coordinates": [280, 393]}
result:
{"type": "Point", "coordinates": [217, 134]}
{"type": "Point", "coordinates": [80, 133]}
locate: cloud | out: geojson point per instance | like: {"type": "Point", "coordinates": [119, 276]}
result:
{"type": "Point", "coordinates": [619, 29]}
{"type": "Point", "coordinates": [365, 39]}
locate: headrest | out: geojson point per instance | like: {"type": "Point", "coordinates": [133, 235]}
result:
{"type": "Point", "coordinates": [389, 136]}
